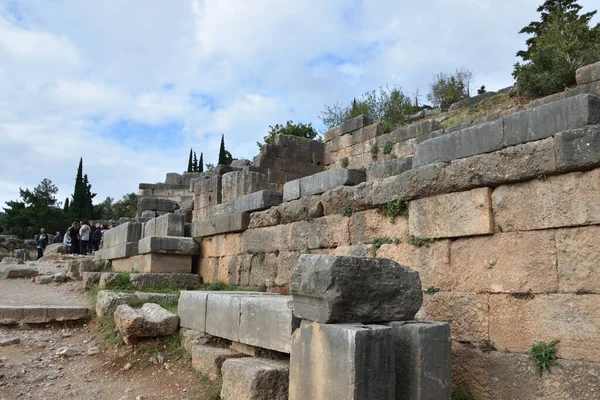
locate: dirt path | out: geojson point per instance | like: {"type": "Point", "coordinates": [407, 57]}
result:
{"type": "Point", "coordinates": [32, 369]}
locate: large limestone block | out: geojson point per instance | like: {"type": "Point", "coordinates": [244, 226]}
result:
{"type": "Point", "coordinates": [249, 203]}
{"type": "Point", "coordinates": [18, 272]}
{"type": "Point", "coordinates": [326, 232]}
{"type": "Point", "coordinates": [208, 360]}
{"type": "Point", "coordinates": [148, 321]}
{"type": "Point", "coordinates": [267, 322]}
{"type": "Point", "coordinates": [578, 148]}
{"type": "Point", "coordinates": [355, 124]}
{"type": "Point", "coordinates": [266, 240]}
{"type": "Point", "coordinates": [169, 225]}
{"type": "Point", "coordinates": [149, 228]}
{"type": "Point", "coordinates": [518, 322]}
{"type": "Point", "coordinates": [346, 361]}
{"type": "Point", "coordinates": [240, 183]}
{"type": "Point", "coordinates": [118, 251]}
{"type": "Point", "coordinates": [155, 263]}
{"type": "Point", "coordinates": [558, 201]}
{"type": "Point", "coordinates": [255, 379]}
{"type": "Point", "coordinates": [384, 169]}
{"type": "Point", "coordinates": [588, 74]}
{"type": "Point", "coordinates": [515, 262]}
{"type": "Point", "coordinates": [369, 225]}
{"type": "Point", "coordinates": [467, 314]}
{"type": "Point", "coordinates": [423, 352]}
{"type": "Point", "coordinates": [192, 309]}
{"type": "Point", "coordinates": [322, 182]}
{"type": "Point", "coordinates": [55, 248]}
{"type": "Point", "coordinates": [550, 119]}
{"type": "Point", "coordinates": [231, 223]}
{"type": "Point", "coordinates": [107, 301]}
{"type": "Point", "coordinates": [332, 289]}
{"type": "Point", "coordinates": [221, 245]}
{"type": "Point", "coordinates": [578, 257]}
{"type": "Point", "coordinates": [168, 245]}
{"type": "Point", "coordinates": [452, 215]}
{"type": "Point", "coordinates": [125, 233]}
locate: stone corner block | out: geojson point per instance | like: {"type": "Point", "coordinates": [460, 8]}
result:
{"type": "Point", "coordinates": [168, 245]}
{"type": "Point", "coordinates": [255, 378]}
{"type": "Point", "coordinates": [355, 124]}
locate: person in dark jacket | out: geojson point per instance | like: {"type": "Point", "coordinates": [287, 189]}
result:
{"type": "Point", "coordinates": [74, 234]}
{"type": "Point", "coordinates": [57, 238]}
{"type": "Point", "coordinates": [41, 241]}
{"type": "Point", "coordinates": [97, 236]}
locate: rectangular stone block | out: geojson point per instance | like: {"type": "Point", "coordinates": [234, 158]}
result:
{"type": "Point", "coordinates": [517, 323]}
{"type": "Point", "coordinates": [221, 245]}
{"type": "Point", "coordinates": [588, 74]}
{"type": "Point", "coordinates": [191, 310]}
{"type": "Point", "coordinates": [348, 361]}
{"type": "Point", "coordinates": [291, 190]}
{"type": "Point", "coordinates": [578, 259]}
{"type": "Point", "coordinates": [226, 224]}
{"type": "Point", "coordinates": [122, 234]}
{"type": "Point", "coordinates": [240, 183]}
{"type": "Point", "coordinates": [267, 322]}
{"type": "Point", "coordinates": [452, 215]}
{"type": "Point", "coordinates": [256, 201]}
{"type": "Point", "coordinates": [169, 245]}
{"type": "Point", "coordinates": [579, 148]}
{"type": "Point", "coordinates": [208, 360]}
{"type": "Point", "coordinates": [148, 203]}
{"type": "Point", "coordinates": [384, 169]}
{"type": "Point", "coordinates": [331, 133]}
{"type": "Point", "coordinates": [266, 240]}
{"type": "Point", "coordinates": [330, 289]}
{"type": "Point", "coordinates": [118, 251]}
{"type": "Point", "coordinates": [355, 123]}
{"type": "Point", "coordinates": [423, 352]}
{"type": "Point", "coordinates": [514, 262]}
{"type": "Point", "coordinates": [325, 232]}
{"type": "Point", "coordinates": [255, 379]}
{"type": "Point", "coordinates": [322, 182]}
{"type": "Point", "coordinates": [154, 262]}
{"type": "Point", "coordinates": [166, 205]}
{"type": "Point", "coordinates": [468, 142]}
{"type": "Point", "coordinates": [550, 119]}
{"type": "Point", "coordinates": [149, 228]}
{"type": "Point", "coordinates": [558, 201]}
{"type": "Point", "coordinates": [169, 225]}
{"type": "Point", "coordinates": [369, 225]}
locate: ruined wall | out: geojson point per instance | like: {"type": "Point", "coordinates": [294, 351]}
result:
{"type": "Point", "coordinates": [503, 226]}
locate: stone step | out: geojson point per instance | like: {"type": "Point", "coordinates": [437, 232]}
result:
{"type": "Point", "coordinates": [254, 318]}
{"type": "Point", "coordinates": [39, 314]}
{"type": "Point", "coordinates": [322, 182]}
{"type": "Point", "coordinates": [226, 224]}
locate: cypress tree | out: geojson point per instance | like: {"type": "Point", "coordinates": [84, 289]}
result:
{"type": "Point", "coordinates": [88, 209]}
{"type": "Point", "coordinates": [77, 205]}
{"type": "Point", "coordinates": [225, 157]}
{"type": "Point", "coordinates": [201, 164]}
{"type": "Point", "coordinates": [195, 164]}
{"type": "Point", "coordinates": [190, 166]}
{"type": "Point", "coordinates": [66, 206]}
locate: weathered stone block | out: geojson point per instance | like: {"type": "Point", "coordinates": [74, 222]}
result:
{"type": "Point", "coordinates": [148, 203]}
{"type": "Point", "coordinates": [240, 183]}
{"type": "Point", "coordinates": [117, 251]}
{"type": "Point", "coordinates": [107, 301]}
{"type": "Point", "coordinates": [517, 323]}
{"type": "Point", "coordinates": [249, 203]}
{"type": "Point", "coordinates": [208, 360]}
{"type": "Point", "coordinates": [579, 148]}
{"type": "Point", "coordinates": [255, 379]}
{"type": "Point", "coordinates": [468, 142]}
{"type": "Point", "coordinates": [578, 255]}
{"type": "Point", "coordinates": [149, 228]}
{"type": "Point", "coordinates": [558, 201]}
{"type": "Point", "coordinates": [423, 352]}
{"type": "Point", "coordinates": [550, 119]}
{"type": "Point", "coordinates": [18, 272]}
{"type": "Point", "coordinates": [369, 225]}
{"type": "Point", "coordinates": [148, 321]}
{"type": "Point", "coordinates": [226, 224]}
{"type": "Point", "coordinates": [155, 262]}
{"type": "Point", "coordinates": [355, 123]}
{"type": "Point", "coordinates": [169, 225]}
{"type": "Point", "coordinates": [516, 262]}
{"type": "Point", "coordinates": [265, 240]}
{"type": "Point", "coordinates": [322, 182]}
{"type": "Point", "coordinates": [221, 245]}
{"type": "Point", "coordinates": [90, 279]}
{"type": "Point", "coordinates": [192, 310]}
{"type": "Point", "coordinates": [180, 281]}
{"type": "Point", "coordinates": [123, 234]}
{"type": "Point", "coordinates": [168, 245]}
{"type": "Point", "coordinates": [467, 314]}
{"type": "Point", "coordinates": [588, 74]}
{"type": "Point", "coordinates": [353, 361]}
{"type": "Point", "coordinates": [324, 232]}
{"type": "Point", "coordinates": [384, 169]}
{"type": "Point", "coordinates": [452, 215]}
{"type": "Point", "coordinates": [267, 322]}
{"type": "Point", "coordinates": [348, 289]}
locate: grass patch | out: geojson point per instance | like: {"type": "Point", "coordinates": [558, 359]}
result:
{"type": "Point", "coordinates": [432, 290]}
{"type": "Point", "coordinates": [420, 242]}
{"type": "Point", "coordinates": [462, 392]}
{"type": "Point", "coordinates": [377, 243]}
{"type": "Point", "coordinates": [543, 356]}
{"type": "Point", "coordinates": [388, 147]}
{"type": "Point", "coordinates": [106, 328]}
{"type": "Point", "coordinates": [394, 209]}
{"type": "Point", "coordinates": [374, 151]}
{"type": "Point", "coordinates": [345, 162]}
{"type": "Point", "coordinates": [220, 286]}
{"type": "Point", "coordinates": [347, 211]}
{"type": "Point", "coordinates": [212, 389]}
{"type": "Point", "coordinates": [305, 216]}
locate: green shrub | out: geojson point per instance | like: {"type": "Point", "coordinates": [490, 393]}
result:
{"type": "Point", "coordinates": [543, 356]}
{"type": "Point", "coordinates": [432, 290]}
{"type": "Point", "coordinates": [344, 163]}
{"type": "Point", "coordinates": [347, 211]}
{"type": "Point", "coordinates": [374, 151]}
{"type": "Point", "coordinates": [462, 392]}
{"type": "Point", "coordinates": [388, 147]}
{"type": "Point", "coordinates": [420, 242]}
{"type": "Point", "coordinates": [394, 209]}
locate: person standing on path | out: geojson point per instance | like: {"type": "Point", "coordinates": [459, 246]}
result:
{"type": "Point", "coordinates": [84, 232]}
{"type": "Point", "coordinates": [74, 234]}
{"type": "Point", "coordinates": [41, 241]}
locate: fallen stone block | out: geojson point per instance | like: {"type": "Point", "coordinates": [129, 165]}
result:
{"type": "Point", "coordinates": [255, 379]}
{"type": "Point", "coordinates": [179, 281]}
{"type": "Point", "coordinates": [423, 353]}
{"type": "Point", "coordinates": [322, 182]}
{"type": "Point", "coordinates": [78, 267]}
{"type": "Point", "coordinates": [550, 119]}
{"type": "Point", "coordinates": [43, 279]}
{"type": "Point", "coordinates": [384, 169]}
{"type": "Point", "coordinates": [107, 301]}
{"type": "Point", "coordinates": [169, 225]}
{"type": "Point", "coordinates": [9, 341]}
{"type": "Point", "coordinates": [148, 321]}
{"type": "Point", "coordinates": [208, 360]}
{"type": "Point", "coordinates": [18, 272]}
{"type": "Point", "coordinates": [12, 260]}
{"type": "Point", "coordinates": [109, 279]}
{"type": "Point", "coordinates": [588, 74]}
{"type": "Point", "coordinates": [353, 361]}
{"type": "Point", "coordinates": [225, 224]}
{"type": "Point", "coordinates": [168, 245]}
{"type": "Point", "coordinates": [55, 248]}
{"type": "Point", "coordinates": [468, 142]}
{"type": "Point", "coordinates": [332, 289]}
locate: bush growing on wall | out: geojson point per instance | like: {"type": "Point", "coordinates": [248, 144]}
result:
{"type": "Point", "coordinates": [290, 128]}
{"type": "Point", "coordinates": [449, 89]}
{"type": "Point", "coordinates": [561, 42]}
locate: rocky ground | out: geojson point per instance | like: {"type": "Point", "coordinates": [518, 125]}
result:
{"type": "Point", "coordinates": [79, 361]}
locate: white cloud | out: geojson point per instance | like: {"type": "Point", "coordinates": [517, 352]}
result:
{"type": "Point", "coordinates": [131, 86]}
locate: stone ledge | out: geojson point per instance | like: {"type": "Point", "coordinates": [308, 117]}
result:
{"type": "Point", "coordinates": [322, 182]}
{"type": "Point", "coordinates": [226, 224]}
{"type": "Point", "coordinates": [41, 314]}
{"type": "Point", "coordinates": [168, 245]}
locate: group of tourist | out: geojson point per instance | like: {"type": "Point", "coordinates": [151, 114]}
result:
{"type": "Point", "coordinates": [80, 238]}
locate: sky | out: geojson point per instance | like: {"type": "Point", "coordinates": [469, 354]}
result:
{"type": "Point", "coordinates": [132, 85]}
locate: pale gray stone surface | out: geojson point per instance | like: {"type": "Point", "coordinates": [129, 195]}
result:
{"type": "Point", "coordinates": [588, 74]}
{"type": "Point", "coordinates": [168, 245]}
{"type": "Point", "coordinates": [252, 202]}
{"type": "Point", "coordinates": [579, 148]}
{"type": "Point", "coordinates": [169, 225]}
{"type": "Point", "coordinates": [226, 224]}
{"type": "Point", "coordinates": [384, 169]}
{"type": "Point", "coordinates": [90, 279]}
{"type": "Point", "coordinates": [208, 360]}
{"type": "Point", "coordinates": [107, 301]}
{"type": "Point", "coordinates": [423, 352]}
{"type": "Point", "coordinates": [117, 251]}
{"type": "Point", "coordinates": [18, 272]}
{"type": "Point", "coordinates": [355, 123]}
{"type": "Point", "coordinates": [55, 248]}
{"type": "Point", "coordinates": [322, 182]}
{"type": "Point", "coordinates": [41, 314]}
{"type": "Point", "coordinates": [354, 362]}
{"type": "Point", "coordinates": [148, 321]}
{"type": "Point", "coordinates": [255, 379]}
{"type": "Point", "coordinates": [122, 234]}
{"type": "Point", "coordinates": [192, 310]}
{"type": "Point", "coordinates": [332, 289]}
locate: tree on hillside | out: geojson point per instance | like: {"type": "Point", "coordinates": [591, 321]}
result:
{"type": "Point", "coordinates": [126, 207]}
{"type": "Point", "coordinates": [88, 210]}
{"type": "Point", "coordinates": [560, 43]}
{"type": "Point", "coordinates": [81, 206]}
{"type": "Point", "coordinates": [290, 128]}
{"type": "Point", "coordinates": [190, 164]}
{"type": "Point", "coordinates": [37, 209]}
{"type": "Point", "coordinates": [200, 163]}
{"type": "Point", "coordinates": [446, 90]}
{"type": "Point", "coordinates": [195, 164]}
{"type": "Point", "coordinates": [225, 157]}
{"type": "Point", "coordinates": [66, 206]}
